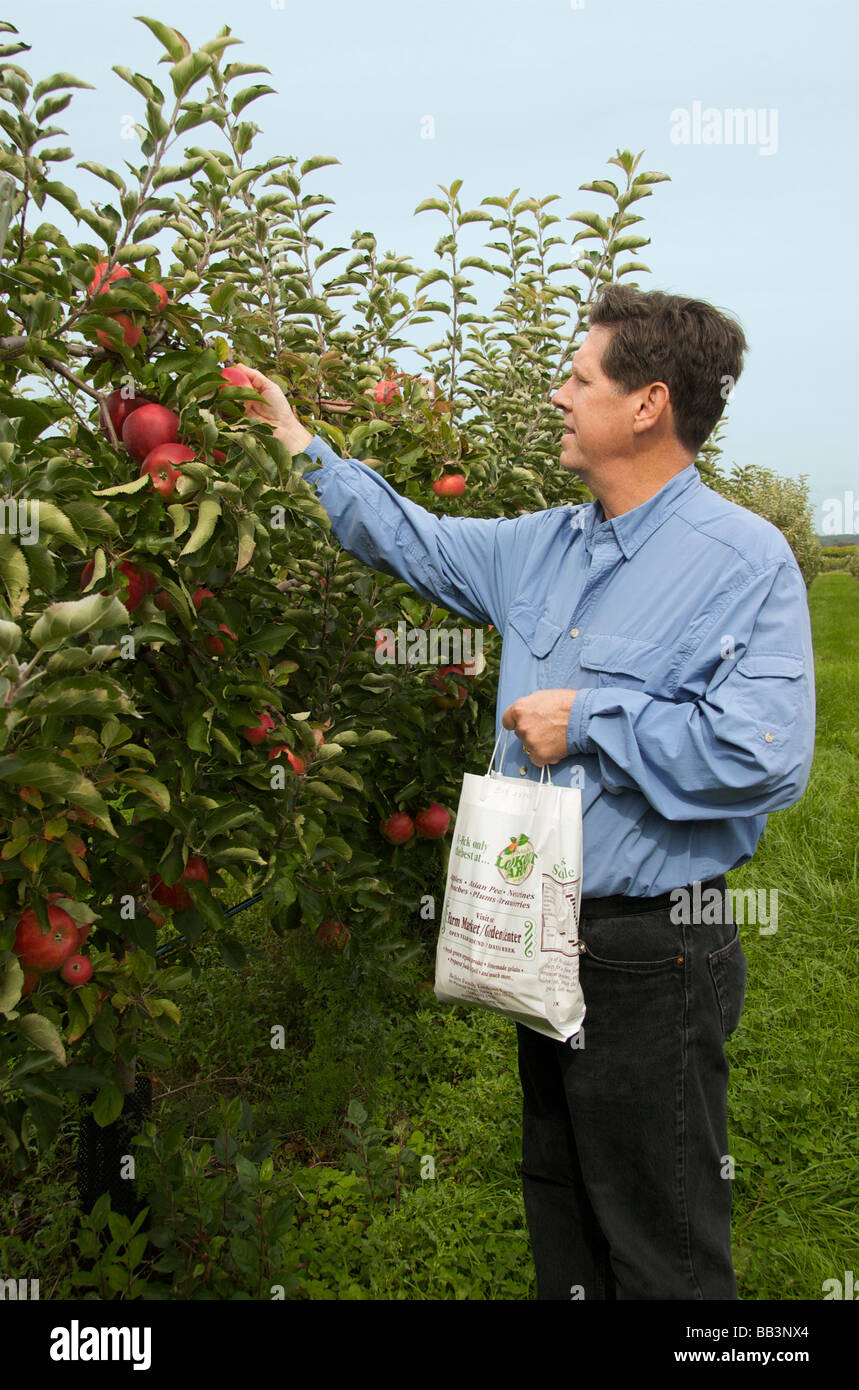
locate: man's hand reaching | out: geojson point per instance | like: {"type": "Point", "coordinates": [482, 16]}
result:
{"type": "Point", "coordinates": [275, 410]}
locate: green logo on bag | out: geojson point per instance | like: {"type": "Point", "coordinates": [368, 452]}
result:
{"type": "Point", "coordinates": [516, 860]}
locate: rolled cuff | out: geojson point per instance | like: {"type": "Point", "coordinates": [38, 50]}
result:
{"type": "Point", "coordinates": [578, 740]}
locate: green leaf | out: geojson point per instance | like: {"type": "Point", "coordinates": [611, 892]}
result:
{"type": "Point", "coordinates": [76, 616]}
{"type": "Point", "coordinates": [189, 71]}
{"type": "Point", "coordinates": [95, 695]}
{"type": "Point", "coordinates": [42, 1034]}
{"type": "Point", "coordinates": [228, 743]}
{"type": "Point", "coordinates": [247, 95]}
{"type": "Point", "coordinates": [11, 984]}
{"type": "Point", "coordinates": [10, 638]}
{"type": "Point", "coordinates": [102, 172]}
{"type": "Point", "coordinates": [232, 951]}
{"type": "Point", "coordinates": [207, 518]}
{"type": "Point", "coordinates": [108, 1104]}
{"type": "Point", "coordinates": [176, 44]}
{"type": "Point", "coordinates": [317, 161]}
{"type": "Point", "coordinates": [14, 572]}
{"type": "Point", "coordinates": [197, 734]}
{"type": "Point", "coordinates": [150, 787]}
{"type": "Point", "coordinates": [226, 818]}
{"type": "Point", "coordinates": [431, 204]}
{"type": "Point", "coordinates": [136, 486]}
{"type": "Point", "coordinates": [59, 778]}
{"type": "Point", "coordinates": [340, 774]}
{"type": "Point", "coordinates": [63, 194]}
{"type": "Point", "coordinates": [246, 542]}
{"type": "Point", "coordinates": [59, 79]}
{"type": "Point", "coordinates": [181, 518]}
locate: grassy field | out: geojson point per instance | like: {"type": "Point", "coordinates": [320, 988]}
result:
{"type": "Point", "coordinates": [444, 1081]}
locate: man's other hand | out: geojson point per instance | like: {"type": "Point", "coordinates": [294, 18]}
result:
{"type": "Point", "coordinates": [540, 722]}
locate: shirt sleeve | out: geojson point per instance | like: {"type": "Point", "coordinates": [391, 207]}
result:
{"type": "Point", "coordinates": [745, 747]}
{"type": "Point", "coordinates": [464, 564]}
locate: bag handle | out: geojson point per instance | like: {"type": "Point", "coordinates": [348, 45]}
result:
{"type": "Point", "coordinates": [489, 773]}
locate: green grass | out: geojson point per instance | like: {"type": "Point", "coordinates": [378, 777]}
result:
{"type": "Point", "coordinates": [793, 1107]}
{"type": "Point", "coordinates": [452, 1226]}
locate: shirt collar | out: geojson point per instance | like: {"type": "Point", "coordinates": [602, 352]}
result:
{"type": "Point", "coordinates": [631, 529]}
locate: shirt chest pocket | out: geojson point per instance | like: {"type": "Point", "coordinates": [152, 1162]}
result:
{"type": "Point", "coordinates": [533, 625]}
{"type": "Point", "coordinates": [627, 661]}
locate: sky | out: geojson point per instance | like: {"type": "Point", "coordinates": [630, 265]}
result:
{"type": "Point", "coordinates": [537, 96]}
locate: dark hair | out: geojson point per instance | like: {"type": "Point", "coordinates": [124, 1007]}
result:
{"type": "Point", "coordinates": [686, 343]}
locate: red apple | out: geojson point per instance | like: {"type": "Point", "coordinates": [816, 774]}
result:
{"type": "Point", "coordinates": [199, 595]}
{"type": "Point", "coordinates": [386, 391]}
{"type": "Point", "coordinates": [119, 407]}
{"type": "Point", "coordinates": [297, 764]}
{"type": "Point", "coordinates": [214, 644]}
{"type": "Point", "coordinates": [31, 979]}
{"type": "Point", "coordinates": [174, 454]}
{"type": "Point", "coordinates": [140, 583]}
{"type": "Point", "coordinates": [445, 701]}
{"type": "Point", "coordinates": [159, 465]}
{"type": "Point", "coordinates": [76, 970]}
{"type": "Point", "coordinates": [196, 869]}
{"type": "Point", "coordinates": [333, 933]}
{"type": "Point", "coordinates": [164, 602]}
{"type": "Point", "coordinates": [39, 950]}
{"type": "Point", "coordinates": [119, 272]}
{"type": "Point", "coordinates": [130, 334]}
{"type": "Point", "coordinates": [174, 895]}
{"type": "Point", "coordinates": [161, 293]}
{"type": "Point", "coordinates": [398, 828]}
{"type": "Point", "coordinates": [146, 428]}
{"type": "Point", "coordinates": [219, 456]}
{"type": "Point", "coordinates": [87, 573]}
{"type": "Point", "coordinates": [256, 733]}
{"type": "Point", "coordinates": [234, 376]}
{"type": "Point", "coordinates": [433, 822]}
{"type": "Point", "coordinates": [449, 485]}
{"type": "Point", "coordinates": [162, 477]}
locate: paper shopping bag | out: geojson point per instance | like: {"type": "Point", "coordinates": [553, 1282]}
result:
{"type": "Point", "coordinates": [509, 934]}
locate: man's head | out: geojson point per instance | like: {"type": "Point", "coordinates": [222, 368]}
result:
{"type": "Point", "coordinates": [650, 379]}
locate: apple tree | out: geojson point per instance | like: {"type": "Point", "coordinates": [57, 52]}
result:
{"type": "Point", "coordinates": [191, 695]}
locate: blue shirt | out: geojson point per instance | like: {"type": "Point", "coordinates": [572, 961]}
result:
{"type": "Point", "coordinates": [683, 625]}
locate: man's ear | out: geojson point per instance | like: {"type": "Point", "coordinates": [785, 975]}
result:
{"type": "Point", "coordinates": [652, 406]}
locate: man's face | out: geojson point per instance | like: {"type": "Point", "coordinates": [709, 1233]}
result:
{"type": "Point", "coordinates": [597, 415]}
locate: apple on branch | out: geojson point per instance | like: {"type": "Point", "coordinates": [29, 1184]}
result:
{"type": "Point", "coordinates": [144, 429]}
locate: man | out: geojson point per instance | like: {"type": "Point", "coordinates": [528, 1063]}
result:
{"type": "Point", "coordinates": [657, 649]}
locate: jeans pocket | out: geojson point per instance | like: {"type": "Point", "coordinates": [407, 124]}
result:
{"type": "Point", "coordinates": [728, 970]}
{"type": "Point", "coordinates": [639, 943]}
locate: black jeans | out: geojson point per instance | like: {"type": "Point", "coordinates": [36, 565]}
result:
{"type": "Point", "coordinates": [625, 1167]}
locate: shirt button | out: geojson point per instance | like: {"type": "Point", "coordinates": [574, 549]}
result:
{"type": "Point", "coordinates": [768, 737]}
{"type": "Point", "coordinates": [523, 771]}
{"type": "Point", "coordinates": [574, 632]}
